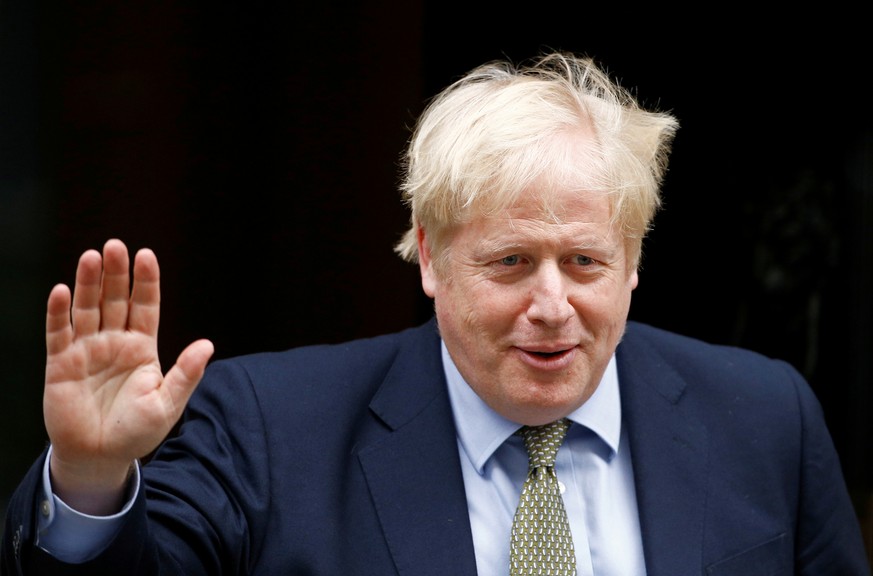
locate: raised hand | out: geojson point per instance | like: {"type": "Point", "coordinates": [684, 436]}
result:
{"type": "Point", "coordinates": [106, 400]}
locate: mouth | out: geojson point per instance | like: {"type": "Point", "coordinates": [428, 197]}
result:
{"type": "Point", "coordinates": [548, 359]}
{"type": "Point", "coordinates": [547, 354]}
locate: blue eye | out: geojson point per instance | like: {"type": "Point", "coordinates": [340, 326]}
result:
{"type": "Point", "coordinates": [582, 260]}
{"type": "Point", "coordinates": [510, 260]}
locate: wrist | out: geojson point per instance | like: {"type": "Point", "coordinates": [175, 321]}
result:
{"type": "Point", "coordinates": [89, 487]}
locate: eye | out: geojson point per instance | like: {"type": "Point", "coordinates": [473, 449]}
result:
{"type": "Point", "coordinates": [510, 260]}
{"type": "Point", "coordinates": [582, 260]}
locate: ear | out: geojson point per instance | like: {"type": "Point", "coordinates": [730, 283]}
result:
{"type": "Point", "coordinates": [425, 264]}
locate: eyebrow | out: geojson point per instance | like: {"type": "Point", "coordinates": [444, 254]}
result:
{"type": "Point", "coordinates": [488, 248]}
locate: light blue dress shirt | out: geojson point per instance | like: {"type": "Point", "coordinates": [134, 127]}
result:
{"type": "Point", "coordinates": [593, 466]}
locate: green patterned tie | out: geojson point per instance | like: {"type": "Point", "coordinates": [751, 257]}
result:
{"type": "Point", "coordinates": [541, 540]}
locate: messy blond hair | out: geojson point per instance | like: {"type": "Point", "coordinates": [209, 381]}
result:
{"type": "Point", "coordinates": [498, 131]}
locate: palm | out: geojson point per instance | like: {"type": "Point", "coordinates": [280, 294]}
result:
{"type": "Point", "coordinates": [102, 391]}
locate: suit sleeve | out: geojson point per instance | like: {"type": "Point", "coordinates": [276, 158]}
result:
{"type": "Point", "coordinates": [21, 521]}
{"type": "Point", "coordinates": [828, 533]}
{"type": "Point", "coordinates": [200, 505]}
{"type": "Point", "coordinates": [21, 554]}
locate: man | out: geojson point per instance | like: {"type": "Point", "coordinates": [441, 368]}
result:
{"type": "Point", "coordinates": [530, 190]}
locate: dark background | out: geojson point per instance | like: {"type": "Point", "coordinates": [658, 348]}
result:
{"type": "Point", "coordinates": [254, 147]}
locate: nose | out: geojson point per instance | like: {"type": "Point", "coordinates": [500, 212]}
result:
{"type": "Point", "coordinates": [549, 297]}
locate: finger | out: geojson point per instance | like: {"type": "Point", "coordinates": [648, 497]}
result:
{"type": "Point", "coordinates": [86, 295]}
{"type": "Point", "coordinates": [145, 301]}
{"type": "Point", "coordinates": [183, 377]}
{"type": "Point", "coordinates": [58, 328]}
{"type": "Point", "coordinates": [115, 289]}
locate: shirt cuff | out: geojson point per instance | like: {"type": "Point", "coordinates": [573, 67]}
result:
{"type": "Point", "coordinates": [71, 536]}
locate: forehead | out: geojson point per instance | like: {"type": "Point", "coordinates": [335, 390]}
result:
{"type": "Point", "coordinates": [549, 218]}
{"type": "Point", "coordinates": [548, 205]}
{"type": "Point", "coordinates": [561, 205]}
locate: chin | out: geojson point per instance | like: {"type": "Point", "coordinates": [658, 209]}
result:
{"type": "Point", "coordinates": [536, 412]}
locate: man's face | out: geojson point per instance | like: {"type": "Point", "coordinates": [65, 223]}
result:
{"type": "Point", "coordinates": [532, 307]}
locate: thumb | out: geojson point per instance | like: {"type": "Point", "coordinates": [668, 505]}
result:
{"type": "Point", "coordinates": [181, 380]}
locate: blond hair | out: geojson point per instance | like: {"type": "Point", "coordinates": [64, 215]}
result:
{"type": "Point", "coordinates": [501, 129]}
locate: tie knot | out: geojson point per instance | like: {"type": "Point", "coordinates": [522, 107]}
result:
{"type": "Point", "coordinates": [542, 442]}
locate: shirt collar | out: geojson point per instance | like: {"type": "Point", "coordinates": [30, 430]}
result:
{"type": "Point", "coordinates": [481, 430]}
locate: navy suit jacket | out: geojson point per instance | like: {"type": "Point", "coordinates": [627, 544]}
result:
{"type": "Point", "coordinates": [343, 460]}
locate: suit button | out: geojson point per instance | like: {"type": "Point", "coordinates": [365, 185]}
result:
{"type": "Point", "coordinates": [44, 508]}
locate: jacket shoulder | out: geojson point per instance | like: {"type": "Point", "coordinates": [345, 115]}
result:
{"type": "Point", "coordinates": [686, 353]}
{"type": "Point", "coordinates": [372, 354]}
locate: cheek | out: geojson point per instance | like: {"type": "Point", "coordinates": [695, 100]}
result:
{"type": "Point", "coordinates": [608, 304]}
{"type": "Point", "coordinates": [475, 315]}
{"type": "Point", "coordinates": [498, 307]}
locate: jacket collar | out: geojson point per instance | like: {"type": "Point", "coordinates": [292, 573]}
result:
{"type": "Point", "coordinates": [669, 448]}
{"type": "Point", "coordinates": [413, 471]}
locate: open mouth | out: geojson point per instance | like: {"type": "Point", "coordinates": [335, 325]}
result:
{"type": "Point", "coordinates": [548, 354]}
{"type": "Point", "coordinates": [548, 360]}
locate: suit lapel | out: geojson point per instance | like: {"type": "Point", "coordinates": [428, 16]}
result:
{"type": "Point", "coordinates": [414, 472]}
{"type": "Point", "coordinates": [669, 448]}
